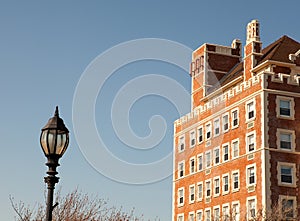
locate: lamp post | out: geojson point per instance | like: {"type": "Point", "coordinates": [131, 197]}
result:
{"type": "Point", "coordinates": [54, 141]}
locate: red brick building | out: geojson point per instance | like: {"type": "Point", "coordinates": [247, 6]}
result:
{"type": "Point", "coordinates": [238, 151]}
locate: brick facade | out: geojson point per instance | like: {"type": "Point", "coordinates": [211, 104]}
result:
{"type": "Point", "coordinates": [236, 152]}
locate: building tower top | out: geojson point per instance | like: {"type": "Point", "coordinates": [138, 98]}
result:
{"type": "Point", "coordinates": [253, 31]}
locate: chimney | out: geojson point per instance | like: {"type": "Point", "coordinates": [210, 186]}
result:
{"type": "Point", "coordinates": [253, 31]}
{"type": "Point", "coordinates": [253, 48]}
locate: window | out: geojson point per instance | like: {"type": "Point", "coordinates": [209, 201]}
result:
{"type": "Point", "coordinates": [235, 180]}
{"type": "Point", "coordinates": [208, 188]}
{"type": "Point", "coordinates": [217, 213]}
{"type": "Point", "coordinates": [235, 148]}
{"type": "Point", "coordinates": [200, 134]}
{"type": "Point", "coordinates": [207, 215]}
{"type": "Point", "coordinates": [250, 142]}
{"type": "Point", "coordinates": [180, 196]}
{"type": "Point", "coordinates": [288, 206]}
{"type": "Point", "coordinates": [235, 118]}
{"type": "Point", "coordinates": [208, 131]}
{"type": "Point", "coordinates": [235, 211]}
{"type": "Point", "coordinates": [192, 138]}
{"type": "Point", "coordinates": [199, 215]}
{"type": "Point", "coordinates": [192, 165]}
{"type": "Point", "coordinates": [217, 127]}
{"type": "Point", "coordinates": [191, 216]}
{"type": "Point", "coordinates": [225, 122]}
{"type": "Point", "coordinates": [285, 107]}
{"type": "Point", "coordinates": [286, 139]}
{"type": "Point", "coordinates": [225, 212]}
{"type": "Point", "coordinates": [286, 174]}
{"type": "Point", "coordinates": [225, 149]}
{"type": "Point", "coordinates": [181, 169]}
{"type": "Point", "coordinates": [216, 155]}
{"type": "Point", "coordinates": [250, 110]}
{"type": "Point", "coordinates": [251, 175]}
{"type": "Point", "coordinates": [225, 183]}
{"type": "Point", "coordinates": [251, 208]}
{"type": "Point", "coordinates": [200, 191]}
{"type": "Point", "coordinates": [192, 193]}
{"type": "Point", "coordinates": [200, 162]}
{"type": "Point", "coordinates": [181, 144]}
{"type": "Point", "coordinates": [180, 217]}
{"type": "Point", "coordinates": [216, 186]}
{"type": "Point", "coordinates": [208, 159]}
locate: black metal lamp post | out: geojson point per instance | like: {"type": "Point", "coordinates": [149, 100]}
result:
{"type": "Point", "coordinates": [54, 140]}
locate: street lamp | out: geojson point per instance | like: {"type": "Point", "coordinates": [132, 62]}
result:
{"type": "Point", "coordinates": [54, 140]}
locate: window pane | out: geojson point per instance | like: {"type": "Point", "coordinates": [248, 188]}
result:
{"type": "Point", "coordinates": [285, 104]}
{"type": "Point", "coordinates": [285, 141]}
{"type": "Point", "coordinates": [286, 174]}
{"type": "Point", "coordinates": [287, 208]}
{"type": "Point", "coordinates": [200, 163]}
{"type": "Point", "coordinates": [251, 175]}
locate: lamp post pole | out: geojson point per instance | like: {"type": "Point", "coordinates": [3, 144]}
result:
{"type": "Point", "coordinates": [54, 141]}
{"type": "Point", "coordinates": [51, 180]}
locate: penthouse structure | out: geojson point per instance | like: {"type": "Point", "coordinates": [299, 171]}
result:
{"type": "Point", "coordinates": [237, 153]}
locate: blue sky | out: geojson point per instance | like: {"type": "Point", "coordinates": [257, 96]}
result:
{"type": "Point", "coordinates": [45, 47]}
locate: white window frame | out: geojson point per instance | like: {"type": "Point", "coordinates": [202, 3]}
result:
{"type": "Point", "coordinates": [251, 198]}
{"type": "Point", "coordinates": [216, 149]}
{"type": "Point", "coordinates": [179, 169]}
{"type": "Point", "coordinates": [233, 173]}
{"type": "Point", "coordinates": [247, 110]}
{"type": "Point", "coordinates": [208, 181]}
{"type": "Point", "coordinates": [192, 191]}
{"type": "Point", "coordinates": [292, 107]}
{"type": "Point", "coordinates": [253, 133]}
{"type": "Point", "coordinates": [178, 197]}
{"type": "Point", "coordinates": [235, 214]}
{"type": "Point", "coordinates": [224, 192]}
{"type": "Point", "coordinates": [208, 129]}
{"type": "Point", "coordinates": [248, 175]}
{"type": "Point", "coordinates": [180, 217]}
{"type": "Point", "coordinates": [193, 215]}
{"type": "Point", "coordinates": [205, 214]}
{"type": "Point", "coordinates": [223, 122]}
{"type": "Point", "coordinates": [226, 217]}
{"type": "Point", "coordinates": [200, 196]}
{"type": "Point", "coordinates": [198, 134]}
{"type": "Point", "coordinates": [217, 178]}
{"type": "Point", "coordinates": [206, 160]}
{"type": "Point", "coordinates": [181, 142]}
{"type": "Point", "coordinates": [232, 118]}
{"type": "Point", "coordinates": [293, 174]}
{"type": "Point", "coordinates": [283, 197]}
{"type": "Point", "coordinates": [192, 138]}
{"type": "Point", "coordinates": [223, 152]}
{"type": "Point", "coordinates": [215, 218]}
{"type": "Point", "coordinates": [293, 139]}
{"type": "Point", "coordinates": [192, 168]}
{"type": "Point", "coordinates": [199, 215]}
{"type": "Point", "coordinates": [198, 162]}
{"type": "Point", "coordinates": [232, 148]}
{"type": "Point", "coordinates": [217, 126]}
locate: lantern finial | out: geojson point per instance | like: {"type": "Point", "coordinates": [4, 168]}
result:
{"type": "Point", "coordinates": [56, 112]}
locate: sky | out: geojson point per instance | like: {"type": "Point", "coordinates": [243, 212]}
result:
{"type": "Point", "coordinates": [118, 72]}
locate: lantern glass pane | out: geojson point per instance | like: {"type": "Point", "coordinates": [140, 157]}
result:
{"type": "Point", "coordinates": [61, 141]}
{"type": "Point", "coordinates": [52, 141]}
{"type": "Point", "coordinates": [44, 142]}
